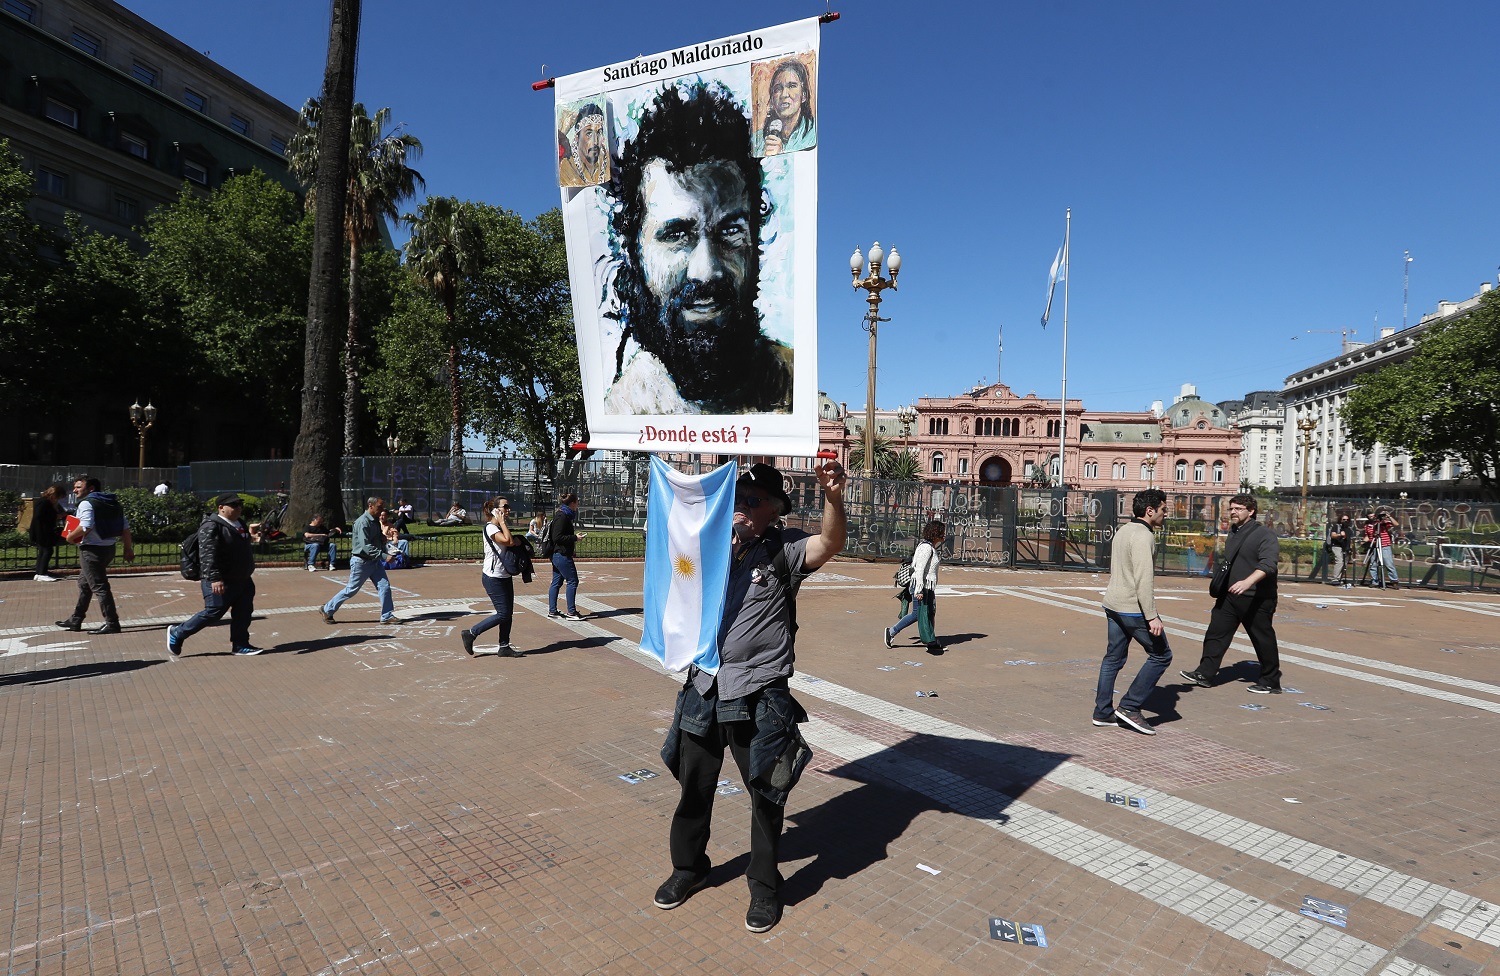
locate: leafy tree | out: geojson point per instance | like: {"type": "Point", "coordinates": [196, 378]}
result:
{"type": "Point", "coordinates": [407, 387]}
{"type": "Point", "coordinates": [228, 274]}
{"type": "Point", "coordinates": [1441, 404]}
{"type": "Point", "coordinates": [443, 252]}
{"type": "Point", "coordinates": [525, 383]}
{"type": "Point", "coordinates": [24, 347]}
{"type": "Point", "coordinates": [379, 180]}
{"type": "Point", "coordinates": [315, 459]}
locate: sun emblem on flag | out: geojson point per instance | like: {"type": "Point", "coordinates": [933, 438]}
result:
{"type": "Point", "coordinates": [683, 566]}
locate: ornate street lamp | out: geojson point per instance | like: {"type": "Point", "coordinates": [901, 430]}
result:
{"type": "Point", "coordinates": [142, 418]}
{"type": "Point", "coordinates": [1306, 425]}
{"type": "Point", "coordinates": [906, 417]}
{"type": "Point", "coordinates": [874, 284]}
{"type": "Point", "coordinates": [1150, 464]}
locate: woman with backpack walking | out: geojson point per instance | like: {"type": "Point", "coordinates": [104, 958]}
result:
{"type": "Point", "coordinates": [497, 578]}
{"type": "Point", "coordinates": [924, 572]}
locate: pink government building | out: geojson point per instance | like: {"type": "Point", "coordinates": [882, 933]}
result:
{"type": "Point", "coordinates": [991, 437]}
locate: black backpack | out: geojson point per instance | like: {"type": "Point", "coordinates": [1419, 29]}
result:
{"type": "Point", "coordinates": [548, 546]}
{"type": "Point", "coordinates": [189, 561]}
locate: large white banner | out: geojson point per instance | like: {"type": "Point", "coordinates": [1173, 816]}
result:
{"type": "Point", "coordinates": [689, 187]}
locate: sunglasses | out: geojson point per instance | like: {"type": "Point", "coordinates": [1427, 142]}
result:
{"type": "Point", "coordinates": [749, 500]}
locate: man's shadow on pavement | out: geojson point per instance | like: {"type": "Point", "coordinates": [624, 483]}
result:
{"type": "Point", "coordinates": [855, 829]}
{"type": "Point", "coordinates": [96, 669]}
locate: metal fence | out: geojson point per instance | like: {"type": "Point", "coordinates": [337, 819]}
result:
{"type": "Point", "coordinates": [1443, 543]}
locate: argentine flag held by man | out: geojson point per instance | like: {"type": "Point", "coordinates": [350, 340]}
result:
{"type": "Point", "coordinates": [691, 530]}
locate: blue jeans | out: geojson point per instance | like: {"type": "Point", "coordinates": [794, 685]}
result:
{"type": "Point", "coordinates": [360, 570]}
{"type": "Point", "coordinates": [562, 569]}
{"type": "Point", "coordinates": [1388, 561]}
{"type": "Point", "coordinates": [238, 600]}
{"type": "Point", "coordinates": [503, 595]}
{"type": "Point", "coordinates": [311, 548]}
{"type": "Point", "coordinates": [1124, 628]}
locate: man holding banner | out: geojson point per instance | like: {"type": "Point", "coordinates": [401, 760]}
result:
{"type": "Point", "coordinates": [733, 628]}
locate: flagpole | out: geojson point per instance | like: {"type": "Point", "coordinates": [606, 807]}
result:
{"type": "Point", "coordinates": [1062, 434]}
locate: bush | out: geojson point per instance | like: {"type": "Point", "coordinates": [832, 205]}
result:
{"type": "Point", "coordinates": [10, 510]}
{"type": "Point", "coordinates": [161, 518]}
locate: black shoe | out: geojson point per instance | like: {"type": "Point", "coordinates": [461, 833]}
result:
{"type": "Point", "coordinates": [507, 651]}
{"type": "Point", "coordinates": [1109, 723]}
{"type": "Point", "coordinates": [935, 649]}
{"type": "Point", "coordinates": [249, 650]}
{"type": "Point", "coordinates": [572, 615]}
{"type": "Point", "coordinates": [1196, 678]}
{"type": "Point", "coordinates": [70, 625]}
{"type": "Point", "coordinates": [763, 914]}
{"type": "Point", "coordinates": [890, 641]}
{"type": "Point", "coordinates": [678, 888]}
{"type": "Point", "coordinates": [468, 639]}
{"type": "Point", "coordinates": [107, 628]}
{"type": "Point", "coordinates": [1260, 689]}
{"type": "Point", "coordinates": [1135, 720]}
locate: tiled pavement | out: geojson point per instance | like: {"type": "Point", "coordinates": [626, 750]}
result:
{"type": "Point", "coordinates": [367, 799]}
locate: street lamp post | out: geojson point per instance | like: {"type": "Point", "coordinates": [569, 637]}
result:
{"type": "Point", "coordinates": [142, 418]}
{"type": "Point", "coordinates": [1150, 464]}
{"type": "Point", "coordinates": [1306, 425]}
{"type": "Point", "coordinates": [874, 284]}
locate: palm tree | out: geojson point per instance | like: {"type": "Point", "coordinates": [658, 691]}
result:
{"type": "Point", "coordinates": [315, 457]}
{"type": "Point", "coordinates": [379, 181]}
{"type": "Point", "coordinates": [904, 466]}
{"type": "Point", "coordinates": [443, 250]}
{"type": "Point", "coordinates": [884, 458]}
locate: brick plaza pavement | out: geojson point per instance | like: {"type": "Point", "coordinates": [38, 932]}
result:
{"type": "Point", "coordinates": [366, 799]}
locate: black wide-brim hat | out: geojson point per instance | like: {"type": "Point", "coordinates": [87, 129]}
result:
{"type": "Point", "coordinates": [767, 479]}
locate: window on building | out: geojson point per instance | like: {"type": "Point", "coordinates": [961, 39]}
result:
{"type": "Point", "coordinates": [937, 462]}
{"type": "Point", "coordinates": [195, 172]}
{"type": "Point", "coordinates": [21, 8]}
{"type": "Point", "coordinates": [87, 43]}
{"type": "Point", "coordinates": [1182, 471]}
{"type": "Point", "coordinates": [963, 465]}
{"type": "Point", "coordinates": [1091, 469]}
{"type": "Point", "coordinates": [278, 145]}
{"type": "Point", "coordinates": [61, 112]}
{"type": "Point", "coordinates": [127, 210]}
{"type": "Point", "coordinates": [240, 124]}
{"type": "Point", "coordinates": [1218, 472]}
{"type": "Point", "coordinates": [1119, 435]}
{"type": "Point", "coordinates": [51, 182]}
{"type": "Point", "coordinates": [1145, 435]}
{"type": "Point", "coordinates": [194, 101]}
{"type": "Point", "coordinates": [135, 145]}
{"type": "Point", "coordinates": [144, 73]}
{"type": "Point", "coordinates": [1199, 470]}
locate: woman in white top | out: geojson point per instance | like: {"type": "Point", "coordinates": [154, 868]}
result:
{"type": "Point", "coordinates": [498, 583]}
{"type": "Point", "coordinates": [924, 572]}
{"type": "Point", "coordinates": [535, 529]}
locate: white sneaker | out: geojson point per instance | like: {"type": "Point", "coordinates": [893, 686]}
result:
{"type": "Point", "coordinates": [312, 569]}
{"type": "Point", "coordinates": [44, 578]}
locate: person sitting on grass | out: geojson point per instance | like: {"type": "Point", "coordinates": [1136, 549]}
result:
{"type": "Point", "coordinates": [456, 516]}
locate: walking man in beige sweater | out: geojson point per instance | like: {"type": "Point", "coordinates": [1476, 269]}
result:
{"type": "Point", "coordinates": [1130, 611]}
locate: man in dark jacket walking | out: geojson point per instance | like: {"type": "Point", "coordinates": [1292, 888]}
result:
{"type": "Point", "coordinates": [1248, 597]}
{"type": "Point", "coordinates": [226, 557]}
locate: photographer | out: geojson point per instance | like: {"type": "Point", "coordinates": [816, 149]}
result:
{"type": "Point", "coordinates": [1340, 539]}
{"type": "Point", "coordinates": [1380, 537]}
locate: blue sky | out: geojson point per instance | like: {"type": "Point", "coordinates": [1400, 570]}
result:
{"type": "Point", "coordinates": [1238, 173]}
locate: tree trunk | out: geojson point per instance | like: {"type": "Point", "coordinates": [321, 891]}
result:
{"type": "Point", "coordinates": [316, 455]}
{"type": "Point", "coordinates": [455, 398]}
{"type": "Point", "coordinates": [353, 402]}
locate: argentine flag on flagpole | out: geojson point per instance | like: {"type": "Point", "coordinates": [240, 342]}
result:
{"type": "Point", "coordinates": [691, 529]}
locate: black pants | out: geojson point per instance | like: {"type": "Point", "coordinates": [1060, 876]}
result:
{"type": "Point", "coordinates": [1255, 614]}
{"type": "Point", "coordinates": [702, 759]}
{"type": "Point", "coordinates": [93, 581]}
{"type": "Point", "coordinates": [43, 559]}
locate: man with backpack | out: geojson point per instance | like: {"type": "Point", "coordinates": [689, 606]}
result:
{"type": "Point", "coordinates": [746, 706]}
{"type": "Point", "coordinates": [101, 525]}
{"type": "Point", "coordinates": [226, 563]}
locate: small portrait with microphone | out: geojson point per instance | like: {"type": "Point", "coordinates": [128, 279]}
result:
{"type": "Point", "coordinates": [784, 104]}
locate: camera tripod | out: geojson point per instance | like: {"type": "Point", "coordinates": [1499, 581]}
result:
{"type": "Point", "coordinates": [1372, 566]}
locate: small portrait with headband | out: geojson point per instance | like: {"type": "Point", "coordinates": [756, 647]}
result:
{"type": "Point", "coordinates": [582, 143]}
{"type": "Point", "coordinates": [784, 104]}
